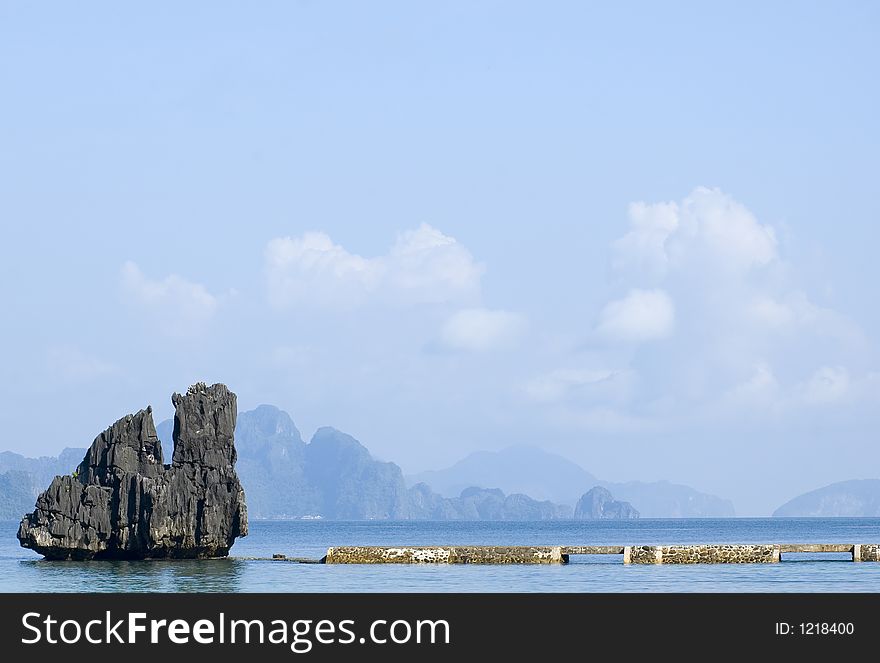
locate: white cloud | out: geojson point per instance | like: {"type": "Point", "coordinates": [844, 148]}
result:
{"type": "Point", "coordinates": [71, 364]}
{"type": "Point", "coordinates": [713, 222]}
{"type": "Point", "coordinates": [770, 313]}
{"type": "Point", "coordinates": [312, 267]}
{"type": "Point", "coordinates": [423, 266]}
{"type": "Point", "coordinates": [737, 303]}
{"type": "Point", "coordinates": [181, 307]}
{"type": "Point", "coordinates": [593, 385]}
{"type": "Point", "coordinates": [640, 316]}
{"type": "Point", "coordinates": [643, 249]}
{"type": "Point", "coordinates": [478, 330]}
{"type": "Point", "coordinates": [793, 312]}
{"type": "Point", "coordinates": [829, 384]}
{"type": "Point", "coordinates": [707, 227]}
{"type": "Point", "coordinates": [759, 391]}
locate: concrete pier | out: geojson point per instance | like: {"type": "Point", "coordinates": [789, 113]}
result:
{"type": "Point", "coordinates": [725, 553]}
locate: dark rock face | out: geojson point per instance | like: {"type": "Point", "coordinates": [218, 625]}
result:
{"type": "Point", "coordinates": [598, 503]}
{"type": "Point", "coordinates": [123, 502]}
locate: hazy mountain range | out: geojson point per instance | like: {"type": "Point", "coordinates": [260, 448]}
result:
{"type": "Point", "coordinates": [857, 498]}
{"type": "Point", "coordinates": [335, 477]}
{"type": "Point", "coordinates": [22, 478]}
{"type": "Point", "coordinates": [545, 475]}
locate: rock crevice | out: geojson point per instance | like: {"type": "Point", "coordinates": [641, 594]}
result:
{"type": "Point", "coordinates": [124, 502]}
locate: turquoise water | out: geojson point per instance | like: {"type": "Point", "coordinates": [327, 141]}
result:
{"type": "Point", "coordinates": [23, 571]}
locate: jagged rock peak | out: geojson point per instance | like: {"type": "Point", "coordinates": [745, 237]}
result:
{"type": "Point", "coordinates": [123, 502]}
{"type": "Point", "coordinates": [129, 446]}
{"type": "Point", "coordinates": [204, 425]}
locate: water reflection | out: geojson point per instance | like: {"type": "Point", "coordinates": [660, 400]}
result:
{"type": "Point", "coordinates": [23, 571]}
{"type": "Point", "coordinates": [212, 575]}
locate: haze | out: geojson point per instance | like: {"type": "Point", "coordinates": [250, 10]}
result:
{"type": "Point", "coordinates": [643, 237]}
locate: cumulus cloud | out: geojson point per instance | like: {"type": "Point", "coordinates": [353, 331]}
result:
{"type": "Point", "coordinates": [640, 316]}
{"type": "Point", "coordinates": [423, 266]}
{"type": "Point", "coordinates": [711, 251]}
{"type": "Point", "coordinates": [643, 248]}
{"type": "Point", "coordinates": [792, 312]}
{"type": "Point", "coordinates": [741, 331]}
{"type": "Point", "coordinates": [707, 227]}
{"type": "Point", "coordinates": [479, 329]}
{"type": "Point", "coordinates": [183, 307]}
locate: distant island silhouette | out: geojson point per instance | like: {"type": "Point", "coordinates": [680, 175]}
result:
{"type": "Point", "coordinates": [334, 477]}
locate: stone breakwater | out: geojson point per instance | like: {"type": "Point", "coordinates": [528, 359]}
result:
{"type": "Point", "coordinates": [726, 553]}
{"type": "Point", "coordinates": [702, 554]}
{"type": "Point", "coordinates": [447, 555]}
{"type": "Point", "coordinates": [866, 552]}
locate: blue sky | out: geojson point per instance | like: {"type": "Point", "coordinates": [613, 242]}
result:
{"type": "Point", "coordinates": [641, 236]}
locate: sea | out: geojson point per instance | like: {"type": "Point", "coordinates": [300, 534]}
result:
{"type": "Point", "coordinates": [24, 571]}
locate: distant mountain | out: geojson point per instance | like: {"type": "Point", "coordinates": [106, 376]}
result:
{"type": "Point", "coordinates": [661, 499]}
{"type": "Point", "coordinates": [352, 484]}
{"type": "Point", "coordinates": [539, 474]}
{"type": "Point", "coordinates": [481, 504]}
{"type": "Point", "coordinates": [271, 460]}
{"type": "Point", "coordinates": [599, 503]}
{"type": "Point", "coordinates": [545, 475]}
{"type": "Point", "coordinates": [22, 479]}
{"type": "Point", "coordinates": [856, 498]}
{"type": "Point", "coordinates": [17, 496]}
{"type": "Point", "coordinates": [334, 476]}
{"type": "Point", "coordinates": [44, 468]}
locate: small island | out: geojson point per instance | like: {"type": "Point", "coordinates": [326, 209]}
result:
{"type": "Point", "coordinates": [124, 502]}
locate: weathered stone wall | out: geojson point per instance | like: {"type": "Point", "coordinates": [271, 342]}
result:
{"type": "Point", "coordinates": [866, 552]}
{"type": "Point", "coordinates": [642, 555]}
{"type": "Point", "coordinates": [691, 554]}
{"type": "Point", "coordinates": [447, 555]}
{"type": "Point", "coordinates": [703, 554]}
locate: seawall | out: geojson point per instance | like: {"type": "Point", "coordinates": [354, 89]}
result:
{"type": "Point", "coordinates": [726, 553]}
{"type": "Point", "coordinates": [703, 554]}
{"type": "Point", "coordinates": [447, 555]}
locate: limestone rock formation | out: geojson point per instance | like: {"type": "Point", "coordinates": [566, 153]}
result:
{"type": "Point", "coordinates": [123, 502]}
{"type": "Point", "coordinates": [547, 476]}
{"type": "Point", "coordinates": [598, 503]}
{"type": "Point", "coordinates": [859, 498]}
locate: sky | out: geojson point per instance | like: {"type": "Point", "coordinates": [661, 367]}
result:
{"type": "Point", "coordinates": [640, 235]}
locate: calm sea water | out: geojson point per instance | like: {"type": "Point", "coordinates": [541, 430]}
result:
{"type": "Point", "coordinates": [23, 571]}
